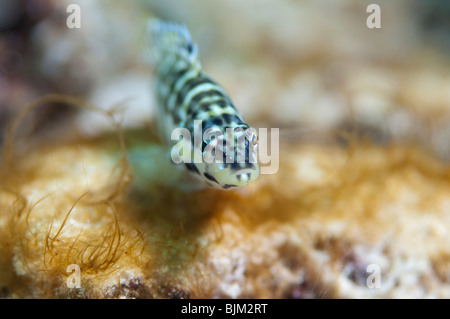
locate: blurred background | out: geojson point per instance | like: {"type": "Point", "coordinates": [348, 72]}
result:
{"type": "Point", "coordinates": [311, 68]}
{"type": "Point", "coordinates": [303, 66]}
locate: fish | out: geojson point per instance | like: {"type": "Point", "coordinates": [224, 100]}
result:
{"type": "Point", "coordinates": [190, 99]}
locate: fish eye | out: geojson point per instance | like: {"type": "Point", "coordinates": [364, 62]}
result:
{"type": "Point", "coordinates": [254, 139]}
{"type": "Point", "coordinates": [251, 136]}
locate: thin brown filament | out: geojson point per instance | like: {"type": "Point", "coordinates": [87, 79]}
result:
{"type": "Point", "coordinates": [65, 220]}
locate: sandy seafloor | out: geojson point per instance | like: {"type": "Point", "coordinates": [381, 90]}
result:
{"type": "Point", "coordinates": [362, 189]}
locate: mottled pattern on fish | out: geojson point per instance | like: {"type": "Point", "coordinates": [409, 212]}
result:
{"type": "Point", "coordinates": [185, 93]}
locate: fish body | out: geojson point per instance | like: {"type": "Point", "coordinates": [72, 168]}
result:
{"type": "Point", "coordinates": [186, 95]}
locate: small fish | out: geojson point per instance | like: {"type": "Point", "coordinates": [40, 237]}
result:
{"type": "Point", "coordinates": [186, 94]}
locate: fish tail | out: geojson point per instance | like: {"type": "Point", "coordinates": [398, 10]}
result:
{"type": "Point", "coordinates": [166, 39]}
